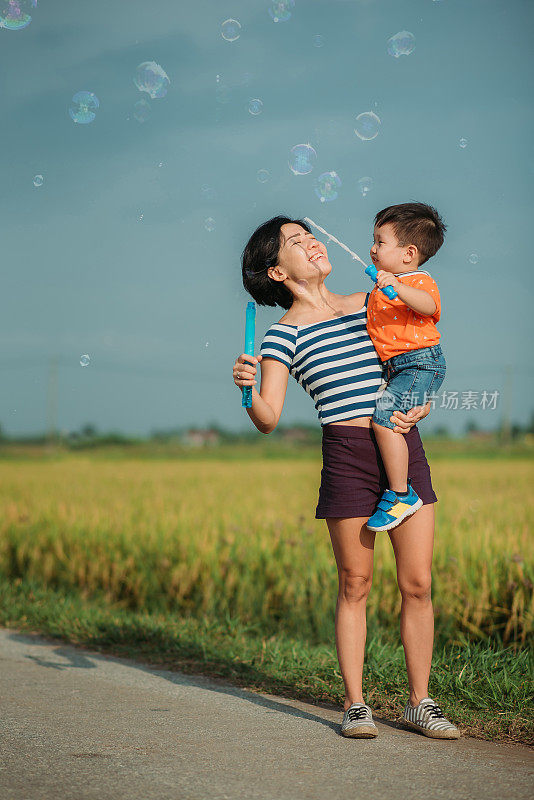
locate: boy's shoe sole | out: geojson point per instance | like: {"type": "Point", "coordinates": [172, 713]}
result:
{"type": "Point", "coordinates": [394, 523]}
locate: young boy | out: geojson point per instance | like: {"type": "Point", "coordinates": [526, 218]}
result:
{"type": "Point", "coordinates": [404, 334]}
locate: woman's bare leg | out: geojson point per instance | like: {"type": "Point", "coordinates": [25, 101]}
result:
{"type": "Point", "coordinates": [353, 545]}
{"type": "Point", "coordinates": [413, 542]}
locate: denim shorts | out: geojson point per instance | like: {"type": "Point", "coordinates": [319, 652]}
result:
{"type": "Point", "coordinates": [412, 378]}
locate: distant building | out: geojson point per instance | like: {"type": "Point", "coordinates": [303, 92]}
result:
{"type": "Point", "coordinates": [200, 437]}
{"type": "Point", "coordinates": [295, 435]}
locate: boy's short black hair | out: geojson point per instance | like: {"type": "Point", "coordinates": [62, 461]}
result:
{"type": "Point", "coordinates": [260, 253]}
{"type": "Point", "coordinates": [415, 223]}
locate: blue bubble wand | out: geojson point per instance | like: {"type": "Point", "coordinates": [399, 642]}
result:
{"type": "Point", "coordinates": [250, 331]}
{"type": "Point", "coordinates": [370, 270]}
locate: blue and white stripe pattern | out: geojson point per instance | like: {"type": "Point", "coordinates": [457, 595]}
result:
{"type": "Point", "coordinates": [428, 718]}
{"type": "Point", "coordinates": [334, 360]}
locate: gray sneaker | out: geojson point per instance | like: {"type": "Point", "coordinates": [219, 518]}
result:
{"type": "Point", "coordinates": [428, 718]}
{"type": "Point", "coordinates": [358, 722]}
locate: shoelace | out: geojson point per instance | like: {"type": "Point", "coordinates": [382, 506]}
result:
{"type": "Point", "coordinates": [357, 713]}
{"type": "Point", "coordinates": [434, 710]}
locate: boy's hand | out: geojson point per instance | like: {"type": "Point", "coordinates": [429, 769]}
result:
{"type": "Point", "coordinates": [384, 278]}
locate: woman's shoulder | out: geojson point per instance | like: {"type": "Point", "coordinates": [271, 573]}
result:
{"type": "Point", "coordinates": [348, 304]}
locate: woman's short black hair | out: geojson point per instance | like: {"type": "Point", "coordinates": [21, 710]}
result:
{"type": "Point", "coordinates": [260, 253]}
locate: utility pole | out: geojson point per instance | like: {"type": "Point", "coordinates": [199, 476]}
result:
{"type": "Point", "coordinates": [507, 404]}
{"type": "Point", "coordinates": [51, 400]}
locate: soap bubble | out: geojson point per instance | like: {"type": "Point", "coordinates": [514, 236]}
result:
{"type": "Point", "coordinates": [367, 125]}
{"type": "Point", "coordinates": [473, 258]}
{"type": "Point", "coordinates": [281, 11]}
{"type": "Point", "coordinates": [84, 360]}
{"type": "Point", "coordinates": [142, 110]}
{"type": "Point", "coordinates": [255, 106]}
{"type": "Point", "coordinates": [83, 106]}
{"type": "Point", "coordinates": [402, 44]}
{"type": "Point", "coordinates": [302, 159]}
{"type": "Point", "coordinates": [152, 79]}
{"type": "Point", "coordinates": [38, 180]}
{"type": "Point", "coordinates": [318, 40]}
{"type": "Point", "coordinates": [463, 143]}
{"type": "Point", "coordinates": [14, 16]}
{"type": "Point", "coordinates": [365, 184]}
{"type": "Point", "coordinates": [231, 30]}
{"type": "Point", "coordinates": [208, 192]}
{"type": "Point", "coordinates": [263, 175]}
{"type": "Point", "coordinates": [327, 186]}
{"type": "Point", "coordinates": [209, 224]}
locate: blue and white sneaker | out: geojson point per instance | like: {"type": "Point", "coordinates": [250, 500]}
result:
{"type": "Point", "coordinates": [358, 722]}
{"type": "Point", "coordinates": [392, 509]}
{"type": "Point", "coordinates": [428, 718]}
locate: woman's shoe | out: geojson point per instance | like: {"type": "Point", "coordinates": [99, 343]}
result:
{"type": "Point", "coordinates": [358, 722]}
{"type": "Point", "coordinates": [428, 718]}
{"type": "Point", "coordinates": [393, 509]}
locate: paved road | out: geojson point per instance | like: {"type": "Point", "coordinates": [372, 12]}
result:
{"type": "Point", "coordinates": [77, 724]}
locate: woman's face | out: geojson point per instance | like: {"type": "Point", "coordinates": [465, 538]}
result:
{"type": "Point", "coordinates": [302, 257]}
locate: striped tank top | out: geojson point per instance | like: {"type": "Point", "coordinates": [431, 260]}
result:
{"type": "Point", "coordinates": [334, 360]}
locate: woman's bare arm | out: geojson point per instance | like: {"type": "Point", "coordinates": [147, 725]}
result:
{"type": "Point", "coordinates": [403, 422]}
{"type": "Point", "coordinates": [267, 404]}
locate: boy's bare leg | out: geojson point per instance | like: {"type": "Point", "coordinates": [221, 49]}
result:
{"type": "Point", "coordinates": [394, 452]}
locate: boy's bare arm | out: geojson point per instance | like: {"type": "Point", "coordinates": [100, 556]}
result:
{"type": "Point", "coordinates": [416, 299]}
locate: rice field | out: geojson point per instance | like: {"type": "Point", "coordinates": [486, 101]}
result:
{"type": "Point", "coordinates": [207, 538]}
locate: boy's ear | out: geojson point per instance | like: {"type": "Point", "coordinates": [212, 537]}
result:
{"type": "Point", "coordinates": [411, 253]}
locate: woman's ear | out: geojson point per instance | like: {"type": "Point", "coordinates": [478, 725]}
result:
{"type": "Point", "coordinates": [276, 273]}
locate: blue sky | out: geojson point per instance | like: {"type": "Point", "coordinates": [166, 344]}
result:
{"type": "Point", "coordinates": [111, 257]}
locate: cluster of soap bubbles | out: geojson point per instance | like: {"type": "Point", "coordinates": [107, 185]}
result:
{"type": "Point", "coordinates": [365, 184]}
{"type": "Point", "coordinates": [152, 79]}
{"type": "Point", "coordinates": [84, 360]}
{"type": "Point", "coordinates": [402, 44]}
{"type": "Point", "coordinates": [14, 14]}
{"type": "Point", "coordinates": [38, 180]}
{"type": "Point", "coordinates": [231, 30]}
{"type": "Point", "coordinates": [281, 11]}
{"type": "Point", "coordinates": [367, 125]}
{"type": "Point", "coordinates": [83, 107]}
{"type": "Point", "coordinates": [302, 159]}
{"type": "Point", "coordinates": [327, 185]}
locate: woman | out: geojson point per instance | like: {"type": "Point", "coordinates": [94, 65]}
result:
{"type": "Point", "coordinates": [323, 342]}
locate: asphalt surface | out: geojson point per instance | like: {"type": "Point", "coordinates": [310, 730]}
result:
{"type": "Point", "coordinates": [76, 724]}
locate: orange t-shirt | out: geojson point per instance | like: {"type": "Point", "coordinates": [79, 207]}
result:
{"type": "Point", "coordinates": [395, 328]}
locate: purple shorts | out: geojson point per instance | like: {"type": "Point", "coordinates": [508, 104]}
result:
{"type": "Point", "coordinates": [353, 477]}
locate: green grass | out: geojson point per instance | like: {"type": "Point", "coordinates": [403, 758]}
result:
{"type": "Point", "coordinates": [484, 689]}
{"type": "Point", "coordinates": [218, 566]}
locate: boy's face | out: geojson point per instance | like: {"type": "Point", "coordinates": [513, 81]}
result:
{"type": "Point", "coordinates": [386, 253]}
